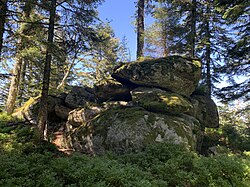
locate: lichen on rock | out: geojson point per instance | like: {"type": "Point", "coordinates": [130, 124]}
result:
{"type": "Point", "coordinates": [125, 130]}
{"type": "Point", "coordinates": [29, 111]}
{"type": "Point", "coordinates": [157, 100]}
{"type": "Point", "coordinates": [205, 111]}
{"type": "Point", "coordinates": [174, 73]}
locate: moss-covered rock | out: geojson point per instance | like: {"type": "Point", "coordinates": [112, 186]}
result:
{"type": "Point", "coordinates": [205, 110]}
{"type": "Point", "coordinates": [29, 110]}
{"type": "Point", "coordinates": [157, 100]}
{"type": "Point", "coordinates": [174, 73]}
{"type": "Point", "coordinates": [124, 130]}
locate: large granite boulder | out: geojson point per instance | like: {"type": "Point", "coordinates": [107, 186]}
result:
{"type": "Point", "coordinates": [205, 110]}
{"type": "Point", "coordinates": [128, 129]}
{"type": "Point", "coordinates": [157, 100]}
{"type": "Point", "coordinates": [174, 73]}
{"type": "Point", "coordinates": [79, 96]}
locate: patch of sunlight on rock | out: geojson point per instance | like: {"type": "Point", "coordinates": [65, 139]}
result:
{"type": "Point", "coordinates": [172, 100]}
{"type": "Point", "coordinates": [197, 63]}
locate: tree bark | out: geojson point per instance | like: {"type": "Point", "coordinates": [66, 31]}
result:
{"type": "Point", "coordinates": [193, 27]}
{"type": "Point", "coordinates": [62, 83]}
{"type": "Point", "coordinates": [13, 90]}
{"type": "Point", "coordinates": [140, 28]}
{"type": "Point", "coordinates": [72, 64]}
{"type": "Point", "coordinates": [43, 110]}
{"type": "Point", "coordinates": [208, 55]}
{"type": "Point", "coordinates": [22, 82]}
{"type": "Point", "coordinates": [3, 11]}
{"type": "Point", "coordinates": [165, 40]}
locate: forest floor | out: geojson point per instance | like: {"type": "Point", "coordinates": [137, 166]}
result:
{"type": "Point", "coordinates": [25, 161]}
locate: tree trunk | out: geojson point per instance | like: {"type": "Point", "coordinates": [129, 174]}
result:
{"type": "Point", "coordinates": [165, 40]}
{"type": "Point", "coordinates": [43, 110]}
{"type": "Point", "coordinates": [62, 83]}
{"type": "Point", "coordinates": [13, 90]}
{"type": "Point", "coordinates": [140, 28]}
{"type": "Point", "coordinates": [208, 55]}
{"type": "Point", "coordinates": [22, 82]}
{"type": "Point", "coordinates": [3, 11]}
{"type": "Point", "coordinates": [15, 81]}
{"type": "Point", "coordinates": [193, 27]}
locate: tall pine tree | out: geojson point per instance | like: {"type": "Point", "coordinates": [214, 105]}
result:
{"type": "Point", "coordinates": [22, 32]}
{"type": "Point", "coordinates": [43, 110]}
{"type": "Point", "coordinates": [140, 28]}
{"type": "Point", "coordinates": [237, 64]}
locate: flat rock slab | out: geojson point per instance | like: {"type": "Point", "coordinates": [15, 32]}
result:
{"type": "Point", "coordinates": [174, 73]}
{"type": "Point", "coordinates": [157, 100]}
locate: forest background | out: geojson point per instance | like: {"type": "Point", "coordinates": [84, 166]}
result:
{"type": "Point", "coordinates": [48, 46]}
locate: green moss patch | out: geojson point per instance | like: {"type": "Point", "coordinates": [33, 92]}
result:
{"type": "Point", "coordinates": [157, 100]}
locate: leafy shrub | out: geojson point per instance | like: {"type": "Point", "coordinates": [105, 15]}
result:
{"type": "Point", "coordinates": [222, 170]}
{"type": "Point", "coordinates": [17, 137]}
{"type": "Point", "coordinates": [234, 130]}
{"type": "Point", "coordinates": [25, 162]}
{"type": "Point", "coordinates": [158, 165]}
{"type": "Point", "coordinates": [4, 117]}
{"type": "Point", "coordinates": [177, 166]}
{"type": "Point", "coordinates": [78, 170]}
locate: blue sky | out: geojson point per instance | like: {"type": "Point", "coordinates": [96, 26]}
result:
{"type": "Point", "coordinates": [121, 14]}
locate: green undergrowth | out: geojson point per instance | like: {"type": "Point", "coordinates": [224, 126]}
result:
{"type": "Point", "coordinates": [31, 163]}
{"type": "Point", "coordinates": [17, 137]}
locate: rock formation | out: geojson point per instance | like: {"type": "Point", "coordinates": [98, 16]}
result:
{"type": "Point", "coordinates": [174, 73]}
{"type": "Point", "coordinates": [146, 102]}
